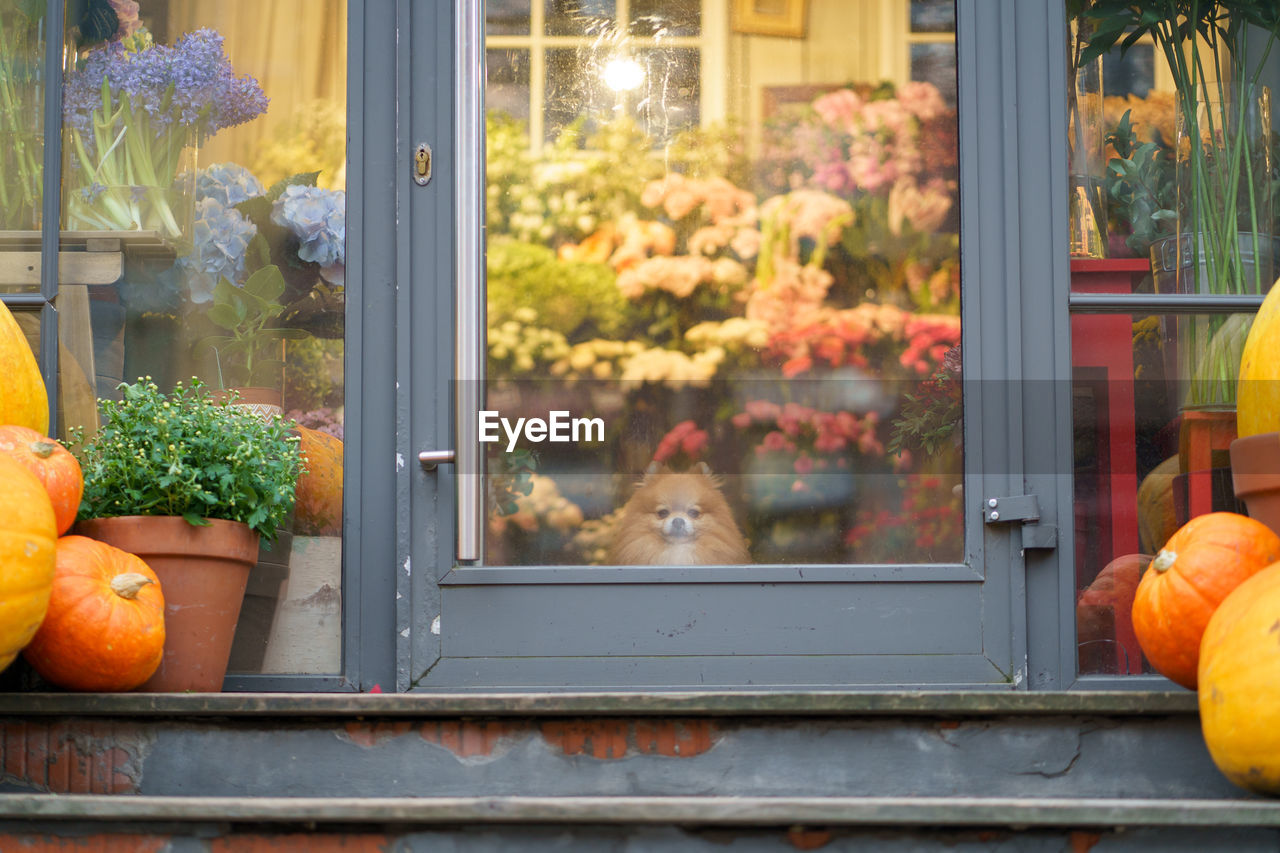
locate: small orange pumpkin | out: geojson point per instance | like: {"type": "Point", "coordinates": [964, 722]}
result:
{"type": "Point", "coordinates": [52, 464]}
{"type": "Point", "coordinates": [1198, 567]}
{"type": "Point", "coordinates": [1240, 684]}
{"type": "Point", "coordinates": [105, 625]}
{"type": "Point", "coordinates": [318, 506]}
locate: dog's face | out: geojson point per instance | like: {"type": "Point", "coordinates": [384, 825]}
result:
{"type": "Point", "coordinates": [675, 506]}
{"type": "Point", "coordinates": [678, 519]}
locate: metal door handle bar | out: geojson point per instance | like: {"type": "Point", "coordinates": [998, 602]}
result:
{"type": "Point", "coordinates": [429, 459]}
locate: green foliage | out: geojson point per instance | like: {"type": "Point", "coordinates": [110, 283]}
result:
{"type": "Point", "coordinates": [189, 455]}
{"type": "Point", "coordinates": [1141, 182]}
{"type": "Point", "coordinates": [510, 477]}
{"type": "Point", "coordinates": [579, 300]}
{"type": "Point", "coordinates": [250, 353]}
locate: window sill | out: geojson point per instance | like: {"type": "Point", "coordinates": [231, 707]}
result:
{"type": "Point", "coordinates": [819, 703]}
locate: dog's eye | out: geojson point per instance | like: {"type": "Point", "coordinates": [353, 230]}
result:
{"type": "Point", "coordinates": [663, 513]}
{"type": "Point", "coordinates": [694, 513]}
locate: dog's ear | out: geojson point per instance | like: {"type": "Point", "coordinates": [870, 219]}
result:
{"type": "Point", "coordinates": [705, 470]}
{"type": "Point", "coordinates": [653, 469]}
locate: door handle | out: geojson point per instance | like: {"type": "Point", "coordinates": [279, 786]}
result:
{"type": "Point", "coordinates": [469, 302]}
{"type": "Point", "coordinates": [429, 459]}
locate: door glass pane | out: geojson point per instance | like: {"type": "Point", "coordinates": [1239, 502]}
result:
{"type": "Point", "coordinates": [703, 262]}
{"type": "Point", "coordinates": [204, 208]}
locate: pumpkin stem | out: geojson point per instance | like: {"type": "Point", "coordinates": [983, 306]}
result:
{"type": "Point", "coordinates": [127, 584]}
{"type": "Point", "coordinates": [1164, 560]}
{"type": "Point", "coordinates": [43, 449]}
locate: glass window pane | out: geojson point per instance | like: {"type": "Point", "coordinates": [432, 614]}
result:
{"type": "Point", "coordinates": [507, 17]}
{"type": "Point", "coordinates": [212, 224]}
{"type": "Point", "coordinates": [665, 18]}
{"type": "Point", "coordinates": [933, 16]}
{"type": "Point", "coordinates": [1130, 74]}
{"type": "Point", "coordinates": [21, 110]}
{"type": "Point", "coordinates": [507, 89]}
{"type": "Point", "coordinates": [1145, 461]}
{"type": "Point", "coordinates": [776, 296]}
{"type": "Point", "coordinates": [935, 64]}
{"type": "Point", "coordinates": [580, 17]}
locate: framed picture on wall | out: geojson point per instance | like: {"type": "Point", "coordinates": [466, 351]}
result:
{"type": "Point", "coordinates": [769, 17]}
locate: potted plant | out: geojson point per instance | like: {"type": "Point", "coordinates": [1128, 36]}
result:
{"type": "Point", "coordinates": [1224, 243]}
{"type": "Point", "coordinates": [189, 484]}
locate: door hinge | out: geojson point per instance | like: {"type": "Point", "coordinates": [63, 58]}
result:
{"type": "Point", "coordinates": [1025, 511]}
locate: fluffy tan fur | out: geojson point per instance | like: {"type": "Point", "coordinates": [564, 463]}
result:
{"type": "Point", "coordinates": [677, 519]}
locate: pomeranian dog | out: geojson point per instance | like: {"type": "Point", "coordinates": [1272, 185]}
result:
{"type": "Point", "coordinates": [677, 519]}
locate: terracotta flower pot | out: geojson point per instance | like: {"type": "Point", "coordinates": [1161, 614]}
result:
{"type": "Point", "coordinates": [1255, 474]}
{"type": "Point", "coordinates": [203, 572]}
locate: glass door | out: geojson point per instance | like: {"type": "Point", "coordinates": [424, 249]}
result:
{"type": "Point", "coordinates": [728, 408]}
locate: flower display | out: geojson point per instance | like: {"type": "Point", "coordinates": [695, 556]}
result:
{"type": "Point", "coordinates": [318, 218]}
{"type": "Point", "coordinates": [710, 298]}
{"type": "Point", "coordinates": [131, 108]}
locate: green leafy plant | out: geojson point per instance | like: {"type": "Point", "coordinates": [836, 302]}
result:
{"type": "Point", "coordinates": [250, 351]}
{"type": "Point", "coordinates": [1140, 180]}
{"type": "Point", "coordinates": [187, 454]}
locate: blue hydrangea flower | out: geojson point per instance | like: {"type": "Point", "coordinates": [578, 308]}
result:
{"type": "Point", "coordinates": [227, 183]}
{"type": "Point", "coordinates": [318, 218]}
{"type": "Point", "coordinates": [222, 235]}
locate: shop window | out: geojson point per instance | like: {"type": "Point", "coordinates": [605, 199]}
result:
{"type": "Point", "coordinates": [200, 237]}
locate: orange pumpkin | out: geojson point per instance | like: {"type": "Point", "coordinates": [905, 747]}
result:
{"type": "Point", "coordinates": [52, 464]}
{"type": "Point", "coordinates": [1240, 684]}
{"type": "Point", "coordinates": [23, 400]}
{"type": "Point", "coordinates": [27, 536]}
{"type": "Point", "coordinates": [318, 507]}
{"type": "Point", "coordinates": [1198, 567]}
{"type": "Point", "coordinates": [105, 625]}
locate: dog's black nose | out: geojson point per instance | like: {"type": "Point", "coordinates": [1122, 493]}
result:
{"type": "Point", "coordinates": [679, 526]}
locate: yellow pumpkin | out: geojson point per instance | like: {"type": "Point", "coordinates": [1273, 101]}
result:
{"type": "Point", "coordinates": [1239, 683]}
{"type": "Point", "coordinates": [28, 537]}
{"type": "Point", "coordinates": [23, 400]}
{"type": "Point", "coordinates": [1258, 388]}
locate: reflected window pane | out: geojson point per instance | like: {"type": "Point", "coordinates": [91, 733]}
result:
{"type": "Point", "coordinates": [507, 89]}
{"type": "Point", "coordinates": [933, 16]}
{"type": "Point", "coordinates": [580, 17]}
{"type": "Point", "coordinates": [665, 18]}
{"type": "Point", "coordinates": [506, 17]}
{"type": "Point", "coordinates": [205, 238]}
{"type": "Point", "coordinates": [1130, 74]}
{"type": "Point", "coordinates": [936, 64]}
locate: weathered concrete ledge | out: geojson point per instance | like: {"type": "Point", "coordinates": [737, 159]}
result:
{"type": "Point", "coordinates": [700, 703]}
{"type": "Point", "coordinates": [684, 811]}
